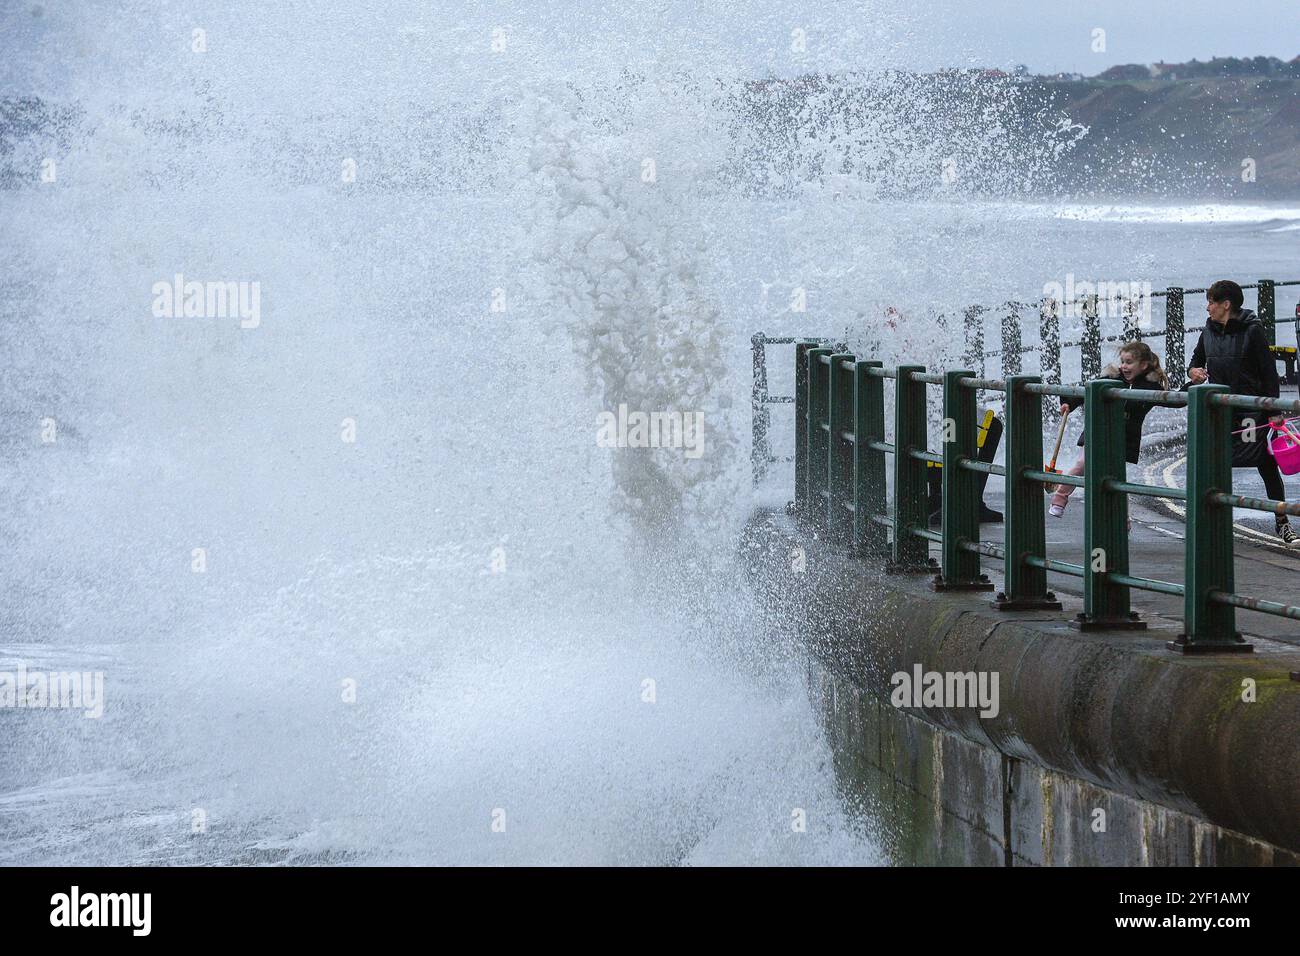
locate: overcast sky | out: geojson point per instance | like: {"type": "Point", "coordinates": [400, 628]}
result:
{"type": "Point", "coordinates": [1056, 35]}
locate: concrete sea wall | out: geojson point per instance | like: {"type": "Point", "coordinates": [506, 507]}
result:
{"type": "Point", "coordinates": [1106, 749]}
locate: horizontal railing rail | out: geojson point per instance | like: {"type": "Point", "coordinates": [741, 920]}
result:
{"type": "Point", "coordinates": [840, 468]}
{"type": "Point", "coordinates": [1050, 346]}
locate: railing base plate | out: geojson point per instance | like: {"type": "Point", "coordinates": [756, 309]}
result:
{"type": "Point", "coordinates": [1131, 623]}
{"type": "Point", "coordinates": [892, 567]}
{"type": "Point", "coordinates": [1183, 646]}
{"type": "Point", "coordinates": [1046, 603]}
{"type": "Point", "coordinates": [982, 583]}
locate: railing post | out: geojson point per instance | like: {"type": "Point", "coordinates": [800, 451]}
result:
{"type": "Point", "coordinates": [801, 350]}
{"type": "Point", "coordinates": [960, 569]}
{"type": "Point", "coordinates": [1090, 352]}
{"type": "Point", "coordinates": [839, 482]}
{"type": "Point", "coordinates": [1010, 341]}
{"type": "Point", "coordinates": [1175, 339]}
{"type": "Point", "coordinates": [1266, 309]}
{"type": "Point", "coordinates": [1049, 333]}
{"type": "Point", "coordinates": [819, 374]}
{"type": "Point", "coordinates": [869, 537]}
{"type": "Point", "coordinates": [1208, 561]}
{"type": "Point", "coordinates": [1105, 513]}
{"type": "Point", "coordinates": [911, 553]}
{"type": "Point", "coordinates": [760, 454]}
{"type": "Point", "coordinates": [974, 356]}
{"type": "Point", "coordinates": [1132, 331]}
{"type": "Point", "coordinates": [1024, 587]}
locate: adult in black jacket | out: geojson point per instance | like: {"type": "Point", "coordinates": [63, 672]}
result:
{"type": "Point", "coordinates": [1233, 351]}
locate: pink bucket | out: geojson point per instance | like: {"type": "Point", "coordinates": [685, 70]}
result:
{"type": "Point", "coordinates": [1284, 445]}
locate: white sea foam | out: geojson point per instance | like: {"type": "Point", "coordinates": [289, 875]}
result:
{"type": "Point", "coordinates": [1180, 214]}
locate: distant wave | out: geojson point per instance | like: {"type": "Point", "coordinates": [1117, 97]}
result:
{"type": "Point", "coordinates": [1187, 213]}
{"type": "Point", "coordinates": [1284, 218]}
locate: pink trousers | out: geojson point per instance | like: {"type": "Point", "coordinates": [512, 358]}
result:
{"type": "Point", "coordinates": [1063, 492]}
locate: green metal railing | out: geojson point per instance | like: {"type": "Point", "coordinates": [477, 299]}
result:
{"type": "Point", "coordinates": [840, 489]}
{"type": "Point", "coordinates": [1049, 346]}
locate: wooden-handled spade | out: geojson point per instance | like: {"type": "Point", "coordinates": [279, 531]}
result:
{"type": "Point", "coordinates": [1051, 466]}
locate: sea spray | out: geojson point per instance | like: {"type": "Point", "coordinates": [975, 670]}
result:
{"type": "Point", "coordinates": [621, 236]}
{"type": "Point", "coordinates": [399, 635]}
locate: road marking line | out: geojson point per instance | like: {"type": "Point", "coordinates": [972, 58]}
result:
{"type": "Point", "coordinates": [1167, 475]}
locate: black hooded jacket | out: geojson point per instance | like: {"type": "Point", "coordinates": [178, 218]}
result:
{"type": "Point", "coordinates": [1236, 354]}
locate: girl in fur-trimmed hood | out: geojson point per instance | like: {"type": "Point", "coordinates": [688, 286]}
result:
{"type": "Point", "coordinates": [1138, 367]}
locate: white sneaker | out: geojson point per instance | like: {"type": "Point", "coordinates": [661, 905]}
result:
{"type": "Point", "coordinates": [1056, 510]}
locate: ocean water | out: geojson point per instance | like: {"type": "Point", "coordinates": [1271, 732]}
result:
{"type": "Point", "coordinates": [362, 584]}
